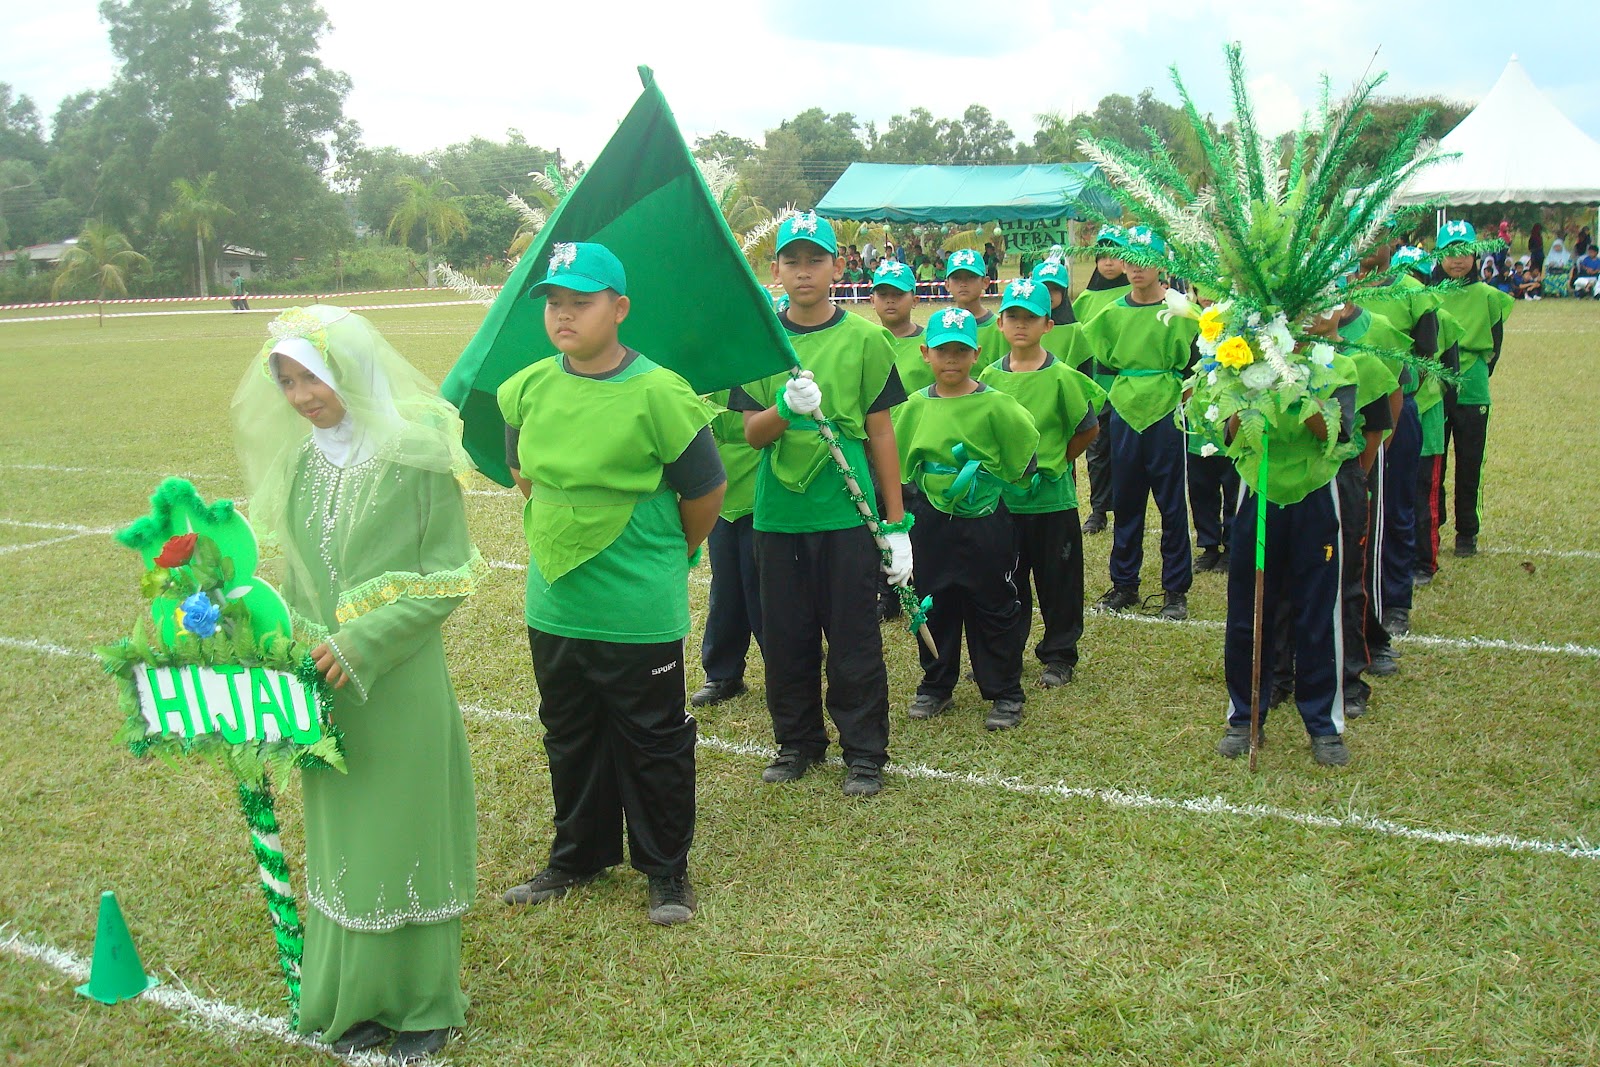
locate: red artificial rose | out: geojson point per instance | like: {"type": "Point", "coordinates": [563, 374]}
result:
{"type": "Point", "coordinates": [177, 551]}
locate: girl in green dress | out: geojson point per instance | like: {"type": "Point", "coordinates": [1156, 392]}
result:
{"type": "Point", "coordinates": [351, 460]}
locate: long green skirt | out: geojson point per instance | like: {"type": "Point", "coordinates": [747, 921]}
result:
{"type": "Point", "coordinates": [408, 978]}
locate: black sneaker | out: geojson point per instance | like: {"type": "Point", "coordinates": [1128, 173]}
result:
{"type": "Point", "coordinates": [1236, 742]}
{"type": "Point", "coordinates": [1355, 707]}
{"type": "Point", "coordinates": [864, 780]}
{"type": "Point", "coordinates": [361, 1037]}
{"type": "Point", "coordinates": [1421, 578]}
{"type": "Point", "coordinates": [1209, 559]}
{"type": "Point", "coordinates": [671, 899]}
{"type": "Point", "coordinates": [1281, 694]}
{"type": "Point", "coordinates": [715, 692]}
{"type": "Point", "coordinates": [414, 1045]}
{"type": "Point", "coordinates": [926, 705]}
{"type": "Point", "coordinates": [1330, 751]}
{"type": "Point", "coordinates": [1383, 663]}
{"type": "Point", "coordinates": [789, 765]}
{"type": "Point", "coordinates": [1397, 621]}
{"type": "Point", "coordinates": [1118, 598]}
{"type": "Point", "coordinates": [548, 884]}
{"type": "Point", "coordinates": [1004, 715]}
{"type": "Point", "coordinates": [1055, 675]}
{"type": "Point", "coordinates": [1466, 547]}
{"type": "Point", "coordinates": [1095, 523]}
{"type": "Point", "coordinates": [1174, 607]}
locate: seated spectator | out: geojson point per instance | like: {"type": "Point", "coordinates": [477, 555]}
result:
{"type": "Point", "coordinates": [1524, 282]}
{"type": "Point", "coordinates": [1586, 274]}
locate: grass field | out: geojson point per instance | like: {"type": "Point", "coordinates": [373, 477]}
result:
{"type": "Point", "coordinates": [1094, 887]}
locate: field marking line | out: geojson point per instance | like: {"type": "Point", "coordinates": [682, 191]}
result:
{"type": "Point", "coordinates": [215, 1016]}
{"type": "Point", "coordinates": [6, 550]}
{"type": "Point", "coordinates": [1557, 553]}
{"type": "Point", "coordinates": [64, 526]}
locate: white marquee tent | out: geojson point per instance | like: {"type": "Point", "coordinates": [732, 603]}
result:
{"type": "Point", "coordinates": [1514, 147]}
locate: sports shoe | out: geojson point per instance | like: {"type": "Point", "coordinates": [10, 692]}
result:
{"type": "Point", "coordinates": [715, 692]}
{"type": "Point", "coordinates": [1174, 606]}
{"type": "Point", "coordinates": [1355, 707]}
{"type": "Point", "coordinates": [1055, 675]}
{"type": "Point", "coordinates": [1383, 663]}
{"type": "Point", "coordinates": [1330, 751]}
{"type": "Point", "coordinates": [1466, 546]}
{"type": "Point", "coordinates": [548, 884]}
{"type": "Point", "coordinates": [1210, 559]}
{"type": "Point", "coordinates": [1421, 578]}
{"type": "Point", "coordinates": [671, 899]}
{"type": "Point", "coordinates": [1282, 693]}
{"type": "Point", "coordinates": [361, 1037]}
{"type": "Point", "coordinates": [1236, 742]}
{"type": "Point", "coordinates": [1118, 598]}
{"type": "Point", "coordinates": [1397, 621]}
{"type": "Point", "coordinates": [864, 780]}
{"type": "Point", "coordinates": [789, 765]}
{"type": "Point", "coordinates": [414, 1045]}
{"type": "Point", "coordinates": [926, 705]}
{"type": "Point", "coordinates": [1003, 715]}
{"type": "Point", "coordinates": [1095, 523]}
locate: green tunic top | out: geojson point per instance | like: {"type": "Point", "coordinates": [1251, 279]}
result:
{"type": "Point", "coordinates": [1065, 342]}
{"type": "Point", "coordinates": [739, 460]}
{"type": "Point", "coordinates": [798, 488]}
{"type": "Point", "coordinates": [1297, 463]}
{"type": "Point", "coordinates": [1430, 397]}
{"type": "Point", "coordinates": [609, 558]}
{"type": "Point", "coordinates": [962, 450]}
{"type": "Point", "coordinates": [1149, 357]}
{"type": "Point", "coordinates": [1059, 399]}
{"type": "Point", "coordinates": [386, 559]}
{"type": "Point", "coordinates": [1478, 308]}
{"type": "Point", "coordinates": [1401, 305]}
{"type": "Point", "coordinates": [992, 344]}
{"type": "Point", "coordinates": [1085, 306]}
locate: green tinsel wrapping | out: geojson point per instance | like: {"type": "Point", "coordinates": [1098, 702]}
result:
{"type": "Point", "coordinates": [288, 932]}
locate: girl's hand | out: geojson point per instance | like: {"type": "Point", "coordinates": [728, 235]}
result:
{"type": "Point", "coordinates": [328, 665]}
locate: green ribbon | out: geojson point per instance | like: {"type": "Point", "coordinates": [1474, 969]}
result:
{"type": "Point", "coordinates": [1147, 372]}
{"type": "Point", "coordinates": [968, 474]}
{"type": "Point", "coordinates": [1261, 508]}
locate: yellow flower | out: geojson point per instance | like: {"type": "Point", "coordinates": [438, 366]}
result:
{"type": "Point", "coordinates": [1235, 353]}
{"type": "Point", "coordinates": [1210, 324]}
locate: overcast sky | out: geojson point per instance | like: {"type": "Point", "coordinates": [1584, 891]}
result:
{"type": "Point", "coordinates": [564, 73]}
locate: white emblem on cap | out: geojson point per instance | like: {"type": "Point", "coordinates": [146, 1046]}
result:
{"type": "Point", "coordinates": [563, 255]}
{"type": "Point", "coordinates": [1049, 268]}
{"type": "Point", "coordinates": [1456, 229]}
{"type": "Point", "coordinates": [966, 257]}
{"type": "Point", "coordinates": [892, 266]}
{"type": "Point", "coordinates": [954, 318]}
{"type": "Point", "coordinates": [1140, 237]}
{"type": "Point", "coordinates": [805, 222]}
{"type": "Point", "coordinates": [1022, 287]}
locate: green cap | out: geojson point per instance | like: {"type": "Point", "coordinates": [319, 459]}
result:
{"type": "Point", "coordinates": [1113, 236]}
{"type": "Point", "coordinates": [1458, 232]}
{"type": "Point", "coordinates": [952, 324]}
{"type": "Point", "coordinates": [1145, 237]}
{"type": "Point", "coordinates": [1412, 258]}
{"type": "Point", "coordinates": [807, 226]}
{"type": "Point", "coordinates": [583, 268]}
{"type": "Point", "coordinates": [964, 259]}
{"type": "Point", "coordinates": [1052, 272]}
{"type": "Point", "coordinates": [894, 273]}
{"type": "Point", "coordinates": [1027, 294]}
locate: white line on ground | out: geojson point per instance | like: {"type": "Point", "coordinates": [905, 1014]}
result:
{"type": "Point", "coordinates": [8, 549]}
{"type": "Point", "coordinates": [227, 1020]}
{"type": "Point", "coordinates": [44, 647]}
{"type": "Point", "coordinates": [1557, 553]}
{"type": "Point", "coordinates": [66, 526]}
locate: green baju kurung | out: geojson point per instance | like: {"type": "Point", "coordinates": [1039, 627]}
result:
{"type": "Point", "coordinates": [391, 846]}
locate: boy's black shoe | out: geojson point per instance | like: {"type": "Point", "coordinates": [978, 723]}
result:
{"type": "Point", "coordinates": [715, 692]}
{"type": "Point", "coordinates": [788, 766]}
{"type": "Point", "coordinates": [864, 780]}
{"type": "Point", "coordinates": [1236, 742]}
{"type": "Point", "coordinates": [1421, 578]}
{"type": "Point", "coordinates": [1282, 693]}
{"type": "Point", "coordinates": [361, 1037]}
{"type": "Point", "coordinates": [926, 705]}
{"type": "Point", "coordinates": [1397, 621]}
{"type": "Point", "coordinates": [1383, 663]}
{"type": "Point", "coordinates": [1003, 715]}
{"type": "Point", "coordinates": [1330, 751]}
{"type": "Point", "coordinates": [1466, 547]}
{"type": "Point", "coordinates": [671, 899]}
{"type": "Point", "coordinates": [548, 884]}
{"type": "Point", "coordinates": [1354, 706]}
{"type": "Point", "coordinates": [1055, 675]}
{"type": "Point", "coordinates": [1118, 598]}
{"type": "Point", "coordinates": [414, 1045]}
{"type": "Point", "coordinates": [1095, 523]}
{"type": "Point", "coordinates": [1210, 559]}
{"type": "Point", "coordinates": [1174, 606]}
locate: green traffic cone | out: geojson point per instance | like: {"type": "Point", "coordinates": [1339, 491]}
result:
{"type": "Point", "coordinates": [116, 973]}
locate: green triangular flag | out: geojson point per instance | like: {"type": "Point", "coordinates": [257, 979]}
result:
{"type": "Point", "coordinates": [697, 307]}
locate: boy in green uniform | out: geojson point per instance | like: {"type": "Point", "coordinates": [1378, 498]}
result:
{"type": "Point", "coordinates": [817, 562]}
{"type": "Point", "coordinates": [1065, 339]}
{"type": "Point", "coordinates": [966, 282]}
{"type": "Point", "coordinates": [623, 483]}
{"type": "Point", "coordinates": [1044, 512]}
{"type": "Point", "coordinates": [1106, 285]}
{"type": "Point", "coordinates": [1150, 359]}
{"type": "Point", "coordinates": [733, 605]}
{"type": "Point", "coordinates": [1482, 311]}
{"type": "Point", "coordinates": [961, 442]}
{"type": "Point", "coordinates": [1430, 469]}
{"type": "Point", "coordinates": [894, 295]}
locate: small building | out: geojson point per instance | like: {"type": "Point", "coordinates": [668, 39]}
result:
{"type": "Point", "coordinates": [246, 261]}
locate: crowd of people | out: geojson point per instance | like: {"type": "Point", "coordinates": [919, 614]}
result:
{"type": "Point", "coordinates": [1538, 273]}
{"type": "Point", "coordinates": [960, 436]}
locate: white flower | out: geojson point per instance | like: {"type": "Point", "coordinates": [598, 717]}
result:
{"type": "Point", "coordinates": [562, 256]}
{"type": "Point", "coordinates": [1259, 375]}
{"type": "Point", "coordinates": [1277, 332]}
{"type": "Point", "coordinates": [1180, 304]}
{"type": "Point", "coordinates": [1212, 413]}
{"type": "Point", "coordinates": [1211, 377]}
{"type": "Point", "coordinates": [1208, 449]}
{"type": "Point", "coordinates": [1322, 353]}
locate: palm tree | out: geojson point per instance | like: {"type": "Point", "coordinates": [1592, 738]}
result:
{"type": "Point", "coordinates": [196, 210]}
{"type": "Point", "coordinates": [102, 258]}
{"type": "Point", "coordinates": [427, 205]}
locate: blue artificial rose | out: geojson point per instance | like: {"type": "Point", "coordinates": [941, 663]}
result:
{"type": "Point", "coordinates": [200, 615]}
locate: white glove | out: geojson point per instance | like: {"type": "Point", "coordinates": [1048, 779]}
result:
{"type": "Point", "coordinates": [802, 395]}
{"type": "Point", "coordinates": [898, 569]}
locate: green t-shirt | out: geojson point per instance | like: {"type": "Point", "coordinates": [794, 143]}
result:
{"type": "Point", "coordinates": [992, 344]}
{"type": "Point", "coordinates": [1297, 464]}
{"type": "Point", "coordinates": [1085, 306]}
{"type": "Point", "coordinates": [798, 488]}
{"type": "Point", "coordinates": [1371, 328]}
{"type": "Point", "coordinates": [1149, 357]}
{"type": "Point", "coordinates": [1065, 342]}
{"type": "Point", "coordinates": [609, 561]}
{"type": "Point", "coordinates": [1478, 308]}
{"type": "Point", "coordinates": [1060, 399]}
{"type": "Point", "coordinates": [1430, 396]}
{"type": "Point", "coordinates": [961, 450]}
{"type": "Point", "coordinates": [739, 460]}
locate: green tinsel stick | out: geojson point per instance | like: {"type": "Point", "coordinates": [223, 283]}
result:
{"type": "Point", "coordinates": [255, 800]}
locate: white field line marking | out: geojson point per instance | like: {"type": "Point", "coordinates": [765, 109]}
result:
{"type": "Point", "coordinates": [6, 550]}
{"type": "Point", "coordinates": [44, 647]}
{"type": "Point", "coordinates": [57, 469]}
{"type": "Point", "coordinates": [1146, 802]}
{"type": "Point", "coordinates": [1557, 553]}
{"type": "Point", "coordinates": [66, 526]}
{"type": "Point", "coordinates": [225, 1020]}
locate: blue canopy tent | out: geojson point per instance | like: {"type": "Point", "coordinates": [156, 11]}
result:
{"type": "Point", "coordinates": [924, 193]}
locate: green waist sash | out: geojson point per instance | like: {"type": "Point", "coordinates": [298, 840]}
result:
{"type": "Point", "coordinates": [973, 490]}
